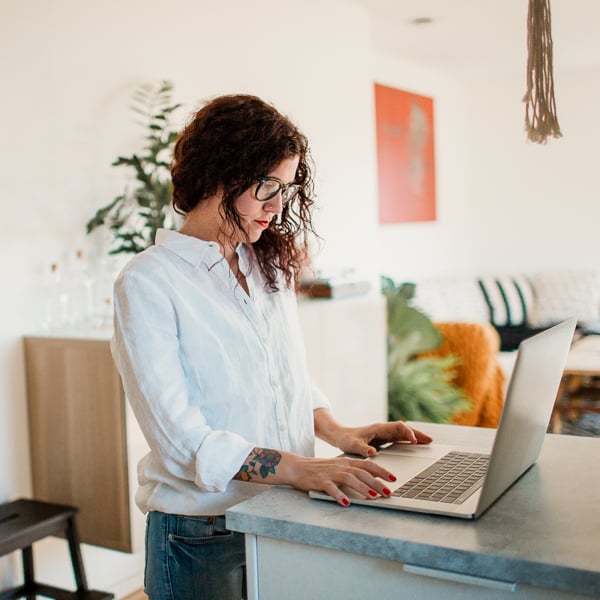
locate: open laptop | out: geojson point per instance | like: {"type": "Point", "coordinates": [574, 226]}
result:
{"type": "Point", "coordinates": [527, 409]}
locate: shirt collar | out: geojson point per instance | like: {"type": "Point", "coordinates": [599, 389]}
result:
{"type": "Point", "coordinates": [194, 250]}
{"type": "Point", "coordinates": [191, 249]}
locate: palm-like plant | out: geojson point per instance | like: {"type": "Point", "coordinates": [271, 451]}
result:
{"type": "Point", "coordinates": [134, 216]}
{"type": "Point", "coordinates": [420, 388]}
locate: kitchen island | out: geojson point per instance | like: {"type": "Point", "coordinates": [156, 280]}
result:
{"type": "Point", "coordinates": [541, 539]}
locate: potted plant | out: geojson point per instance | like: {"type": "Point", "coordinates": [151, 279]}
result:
{"type": "Point", "coordinates": [134, 216]}
{"type": "Point", "coordinates": [420, 388]}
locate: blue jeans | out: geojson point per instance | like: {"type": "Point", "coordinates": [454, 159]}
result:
{"type": "Point", "coordinates": [193, 558]}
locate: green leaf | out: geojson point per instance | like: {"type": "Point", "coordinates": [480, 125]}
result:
{"type": "Point", "coordinates": [419, 388]}
{"type": "Point", "coordinates": [170, 109]}
{"type": "Point", "coordinates": [122, 160]}
{"type": "Point", "coordinates": [134, 216]}
{"type": "Point", "coordinates": [264, 471]}
{"type": "Point", "coordinates": [422, 391]}
{"type": "Point", "coordinates": [102, 214]}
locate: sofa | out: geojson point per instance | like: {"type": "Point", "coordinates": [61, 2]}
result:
{"type": "Point", "coordinates": [516, 305]}
{"type": "Point", "coordinates": [478, 372]}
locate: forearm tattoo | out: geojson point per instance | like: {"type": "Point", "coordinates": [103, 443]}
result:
{"type": "Point", "coordinates": [264, 460]}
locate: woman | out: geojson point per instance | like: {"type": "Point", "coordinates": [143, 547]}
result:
{"type": "Point", "coordinates": [209, 347]}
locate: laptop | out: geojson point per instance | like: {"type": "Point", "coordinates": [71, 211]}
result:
{"type": "Point", "coordinates": [430, 479]}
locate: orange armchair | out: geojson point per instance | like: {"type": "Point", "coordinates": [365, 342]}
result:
{"type": "Point", "coordinates": [478, 372]}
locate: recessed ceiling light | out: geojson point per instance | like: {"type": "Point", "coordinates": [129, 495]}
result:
{"type": "Point", "coordinates": [421, 21]}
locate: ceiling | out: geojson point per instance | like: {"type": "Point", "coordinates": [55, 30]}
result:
{"type": "Point", "coordinates": [478, 35]}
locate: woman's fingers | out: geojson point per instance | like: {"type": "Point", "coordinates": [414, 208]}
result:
{"type": "Point", "coordinates": [374, 469]}
{"type": "Point", "coordinates": [358, 481]}
{"type": "Point", "coordinates": [373, 436]}
{"type": "Point", "coordinates": [401, 431]}
{"type": "Point", "coordinates": [374, 486]}
{"type": "Point", "coordinates": [333, 476]}
{"type": "Point", "coordinates": [422, 438]}
{"type": "Point", "coordinates": [334, 491]}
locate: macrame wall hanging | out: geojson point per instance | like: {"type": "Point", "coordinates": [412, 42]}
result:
{"type": "Point", "coordinates": [540, 107]}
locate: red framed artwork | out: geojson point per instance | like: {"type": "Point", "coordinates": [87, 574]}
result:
{"type": "Point", "coordinates": [405, 156]}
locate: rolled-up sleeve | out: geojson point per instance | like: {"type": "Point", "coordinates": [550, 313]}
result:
{"type": "Point", "coordinates": [319, 399]}
{"type": "Point", "coordinates": [146, 350]}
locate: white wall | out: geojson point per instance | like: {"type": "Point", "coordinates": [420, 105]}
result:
{"type": "Point", "coordinates": [410, 251]}
{"type": "Point", "coordinates": [69, 69]}
{"type": "Point", "coordinates": [505, 205]}
{"type": "Point", "coordinates": [536, 206]}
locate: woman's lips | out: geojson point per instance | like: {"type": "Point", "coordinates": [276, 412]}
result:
{"type": "Point", "coordinates": [263, 224]}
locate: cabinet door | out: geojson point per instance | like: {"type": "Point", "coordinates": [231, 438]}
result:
{"type": "Point", "coordinates": [78, 435]}
{"type": "Point", "coordinates": [346, 353]}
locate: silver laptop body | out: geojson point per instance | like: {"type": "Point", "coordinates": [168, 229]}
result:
{"type": "Point", "coordinates": [527, 409]}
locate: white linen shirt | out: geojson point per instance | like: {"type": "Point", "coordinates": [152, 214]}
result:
{"type": "Point", "coordinates": [210, 372]}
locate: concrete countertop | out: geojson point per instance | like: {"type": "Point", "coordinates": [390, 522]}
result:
{"type": "Point", "coordinates": [544, 531]}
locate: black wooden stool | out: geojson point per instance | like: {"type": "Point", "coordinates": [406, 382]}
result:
{"type": "Point", "coordinates": [24, 522]}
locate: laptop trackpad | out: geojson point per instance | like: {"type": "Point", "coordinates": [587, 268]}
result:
{"type": "Point", "coordinates": [407, 460]}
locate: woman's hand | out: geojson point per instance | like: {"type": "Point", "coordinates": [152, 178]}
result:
{"type": "Point", "coordinates": [265, 465]}
{"type": "Point", "coordinates": [333, 475]}
{"type": "Point", "coordinates": [365, 440]}
{"type": "Point", "coordinates": [329, 475]}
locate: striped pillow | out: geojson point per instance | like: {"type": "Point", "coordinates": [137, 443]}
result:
{"type": "Point", "coordinates": [509, 299]}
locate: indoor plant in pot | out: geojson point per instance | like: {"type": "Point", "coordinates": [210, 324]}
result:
{"type": "Point", "coordinates": [420, 388]}
{"type": "Point", "coordinates": [134, 216]}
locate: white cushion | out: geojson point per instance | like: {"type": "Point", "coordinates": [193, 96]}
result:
{"type": "Point", "coordinates": [451, 299]}
{"type": "Point", "coordinates": [562, 295]}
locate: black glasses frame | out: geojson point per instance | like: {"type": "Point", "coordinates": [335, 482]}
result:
{"type": "Point", "coordinates": [282, 187]}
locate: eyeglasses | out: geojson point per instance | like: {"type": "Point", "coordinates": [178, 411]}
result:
{"type": "Point", "coordinates": [269, 187]}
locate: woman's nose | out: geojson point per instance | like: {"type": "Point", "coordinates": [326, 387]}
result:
{"type": "Point", "coordinates": [275, 204]}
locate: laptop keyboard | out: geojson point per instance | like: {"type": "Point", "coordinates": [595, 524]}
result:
{"type": "Point", "coordinates": [451, 479]}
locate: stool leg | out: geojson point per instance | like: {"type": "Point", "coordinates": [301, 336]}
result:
{"type": "Point", "coordinates": [28, 573]}
{"type": "Point", "coordinates": [76, 559]}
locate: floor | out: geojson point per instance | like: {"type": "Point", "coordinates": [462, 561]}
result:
{"type": "Point", "coordinates": [137, 596]}
{"type": "Point", "coordinates": [577, 410]}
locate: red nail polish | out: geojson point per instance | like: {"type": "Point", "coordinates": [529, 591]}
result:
{"type": "Point", "coordinates": [387, 492]}
{"type": "Point", "coordinates": [372, 493]}
{"type": "Point", "coordinates": [392, 477]}
{"type": "Point", "coordinates": [345, 502]}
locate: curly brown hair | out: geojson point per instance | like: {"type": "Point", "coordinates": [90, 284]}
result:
{"type": "Point", "coordinates": [226, 145]}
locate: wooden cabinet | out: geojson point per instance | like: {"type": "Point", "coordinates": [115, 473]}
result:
{"type": "Point", "coordinates": [85, 442]}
